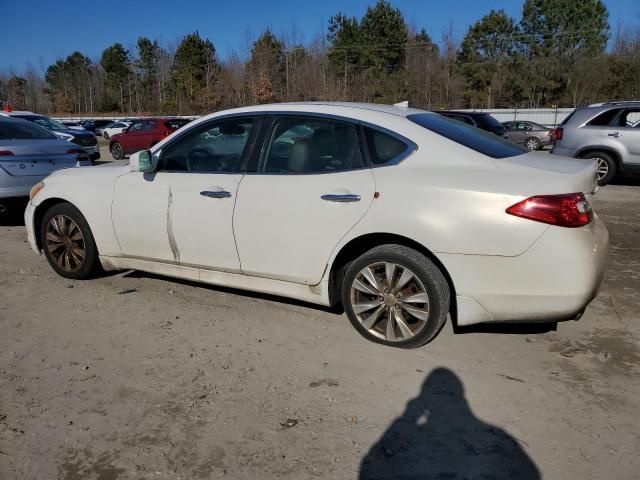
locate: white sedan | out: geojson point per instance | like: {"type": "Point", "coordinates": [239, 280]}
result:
{"type": "Point", "coordinates": [114, 128]}
{"type": "Point", "coordinates": [399, 215]}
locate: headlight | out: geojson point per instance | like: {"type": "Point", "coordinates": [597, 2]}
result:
{"type": "Point", "coordinates": [35, 189]}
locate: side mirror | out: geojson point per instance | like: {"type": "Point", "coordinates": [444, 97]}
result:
{"type": "Point", "coordinates": [141, 162]}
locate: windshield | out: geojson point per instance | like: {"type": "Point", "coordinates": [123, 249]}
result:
{"type": "Point", "coordinates": [45, 122]}
{"type": "Point", "coordinates": [471, 137]}
{"type": "Point", "coordinates": [14, 130]}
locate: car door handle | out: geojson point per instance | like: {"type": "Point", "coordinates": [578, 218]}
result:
{"type": "Point", "coordinates": [340, 198]}
{"type": "Point", "coordinates": [215, 194]}
{"type": "Point", "coordinates": [614, 134]}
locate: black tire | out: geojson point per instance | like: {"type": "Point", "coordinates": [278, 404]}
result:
{"type": "Point", "coordinates": [532, 144]}
{"type": "Point", "coordinates": [117, 151]}
{"type": "Point", "coordinates": [105, 135]}
{"type": "Point", "coordinates": [427, 273]}
{"type": "Point", "coordinates": [603, 159]}
{"type": "Point", "coordinates": [90, 266]}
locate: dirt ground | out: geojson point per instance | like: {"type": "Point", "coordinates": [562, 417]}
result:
{"type": "Point", "coordinates": [175, 380]}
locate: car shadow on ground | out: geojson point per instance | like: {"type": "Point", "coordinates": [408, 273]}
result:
{"type": "Point", "coordinates": [14, 215]}
{"type": "Point", "coordinates": [338, 310]}
{"type": "Point", "coordinates": [628, 180]}
{"type": "Point", "coordinates": [439, 437]}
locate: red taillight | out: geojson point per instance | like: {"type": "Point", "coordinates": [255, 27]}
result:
{"type": "Point", "coordinates": [76, 151]}
{"type": "Point", "coordinates": [6, 153]}
{"type": "Point", "coordinates": [569, 210]}
{"type": "Point", "coordinates": [557, 134]}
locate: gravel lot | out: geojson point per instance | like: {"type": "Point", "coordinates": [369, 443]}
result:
{"type": "Point", "coordinates": [182, 381]}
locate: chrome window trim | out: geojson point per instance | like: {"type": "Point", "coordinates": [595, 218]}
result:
{"type": "Point", "coordinates": [411, 146]}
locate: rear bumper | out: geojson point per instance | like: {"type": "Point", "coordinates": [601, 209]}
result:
{"type": "Point", "coordinates": [555, 279]}
{"type": "Point", "coordinates": [564, 151]}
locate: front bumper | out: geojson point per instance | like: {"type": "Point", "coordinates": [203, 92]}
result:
{"type": "Point", "coordinates": [28, 223]}
{"type": "Point", "coordinates": [555, 279]}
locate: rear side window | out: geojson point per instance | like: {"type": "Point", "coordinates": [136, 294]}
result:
{"type": "Point", "coordinates": [312, 145]}
{"type": "Point", "coordinates": [605, 119]}
{"type": "Point", "coordinates": [14, 130]}
{"type": "Point", "coordinates": [479, 140]}
{"type": "Point", "coordinates": [383, 147]}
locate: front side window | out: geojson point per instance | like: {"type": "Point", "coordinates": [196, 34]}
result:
{"type": "Point", "coordinates": [311, 145]}
{"type": "Point", "coordinates": [479, 140]}
{"type": "Point", "coordinates": [136, 126]}
{"type": "Point", "coordinates": [16, 130]}
{"type": "Point", "coordinates": [218, 147]}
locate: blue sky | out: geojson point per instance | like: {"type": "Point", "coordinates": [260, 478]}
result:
{"type": "Point", "coordinates": [40, 31]}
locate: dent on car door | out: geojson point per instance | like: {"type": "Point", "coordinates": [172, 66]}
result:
{"type": "Point", "coordinates": [182, 213]}
{"type": "Point", "coordinates": [310, 187]}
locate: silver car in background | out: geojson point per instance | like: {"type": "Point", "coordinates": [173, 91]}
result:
{"type": "Point", "coordinates": [28, 153]}
{"type": "Point", "coordinates": [606, 132]}
{"type": "Point", "coordinates": [530, 134]}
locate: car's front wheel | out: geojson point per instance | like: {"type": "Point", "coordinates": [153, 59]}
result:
{"type": "Point", "coordinates": [68, 243]}
{"type": "Point", "coordinates": [396, 296]}
{"type": "Point", "coordinates": [605, 166]}
{"type": "Point", "coordinates": [117, 151]}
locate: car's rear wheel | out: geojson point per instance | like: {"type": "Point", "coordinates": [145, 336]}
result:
{"type": "Point", "coordinates": [396, 296]}
{"type": "Point", "coordinates": [533, 143]}
{"type": "Point", "coordinates": [117, 151]}
{"type": "Point", "coordinates": [606, 166]}
{"type": "Point", "coordinates": [68, 242]}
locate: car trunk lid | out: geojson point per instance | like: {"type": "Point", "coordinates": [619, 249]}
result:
{"type": "Point", "coordinates": [37, 157]}
{"type": "Point", "coordinates": [553, 174]}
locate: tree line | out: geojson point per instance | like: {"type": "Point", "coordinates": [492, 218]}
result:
{"type": "Point", "coordinates": [560, 52]}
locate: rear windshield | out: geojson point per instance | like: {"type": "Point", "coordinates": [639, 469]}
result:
{"type": "Point", "coordinates": [12, 130]}
{"type": "Point", "coordinates": [474, 138]}
{"type": "Point", "coordinates": [488, 121]}
{"type": "Point", "coordinates": [45, 122]}
{"type": "Point", "coordinates": [564, 122]}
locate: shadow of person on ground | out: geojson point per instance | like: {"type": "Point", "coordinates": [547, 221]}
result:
{"type": "Point", "coordinates": [438, 437]}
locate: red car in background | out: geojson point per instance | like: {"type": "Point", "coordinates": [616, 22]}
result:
{"type": "Point", "coordinates": [142, 134]}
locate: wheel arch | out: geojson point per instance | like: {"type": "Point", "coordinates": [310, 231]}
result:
{"type": "Point", "coordinates": [601, 148]}
{"type": "Point", "coordinates": [39, 214]}
{"type": "Point", "coordinates": [361, 244]}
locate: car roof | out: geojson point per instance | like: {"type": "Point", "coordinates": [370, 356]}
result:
{"type": "Point", "coordinates": [460, 112]}
{"type": "Point", "coordinates": [14, 113]}
{"type": "Point", "coordinates": [360, 111]}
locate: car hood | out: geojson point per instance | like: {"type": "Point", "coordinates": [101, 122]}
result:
{"type": "Point", "coordinates": [74, 132]}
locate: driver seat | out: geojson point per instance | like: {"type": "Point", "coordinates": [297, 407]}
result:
{"type": "Point", "coordinates": [300, 156]}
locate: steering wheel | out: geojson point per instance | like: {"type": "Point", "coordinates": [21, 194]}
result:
{"type": "Point", "coordinates": [202, 159]}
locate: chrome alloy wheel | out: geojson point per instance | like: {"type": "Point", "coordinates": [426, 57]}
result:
{"type": "Point", "coordinates": [602, 168]}
{"type": "Point", "coordinates": [390, 301]}
{"type": "Point", "coordinates": [65, 243]}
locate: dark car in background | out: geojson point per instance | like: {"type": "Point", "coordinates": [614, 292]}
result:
{"type": "Point", "coordinates": [530, 134]}
{"type": "Point", "coordinates": [142, 134]}
{"type": "Point", "coordinates": [85, 139]}
{"type": "Point", "coordinates": [481, 120]}
{"type": "Point", "coordinates": [96, 126]}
